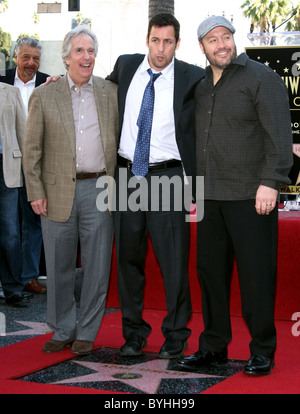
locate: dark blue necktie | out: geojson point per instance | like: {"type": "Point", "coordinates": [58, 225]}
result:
{"type": "Point", "coordinates": [142, 149]}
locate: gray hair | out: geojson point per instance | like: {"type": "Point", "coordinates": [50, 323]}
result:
{"type": "Point", "coordinates": [29, 41]}
{"type": "Point", "coordinates": [66, 46]}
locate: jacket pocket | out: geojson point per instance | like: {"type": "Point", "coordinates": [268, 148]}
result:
{"type": "Point", "coordinates": [17, 153]}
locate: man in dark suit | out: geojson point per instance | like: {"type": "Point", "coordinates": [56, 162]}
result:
{"type": "Point", "coordinates": [27, 77]}
{"type": "Point", "coordinates": [172, 152]}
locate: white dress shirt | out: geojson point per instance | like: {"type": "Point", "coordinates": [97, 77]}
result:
{"type": "Point", "coordinates": [25, 89]}
{"type": "Point", "coordinates": [163, 145]}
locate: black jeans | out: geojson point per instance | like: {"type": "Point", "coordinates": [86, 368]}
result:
{"type": "Point", "coordinates": [228, 229]}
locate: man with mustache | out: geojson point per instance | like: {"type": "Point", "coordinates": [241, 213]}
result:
{"type": "Point", "coordinates": [244, 152]}
{"type": "Point", "coordinates": [12, 129]}
{"type": "Point", "coordinates": [26, 77]}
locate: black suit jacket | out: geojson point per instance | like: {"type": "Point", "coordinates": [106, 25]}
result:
{"type": "Point", "coordinates": [11, 73]}
{"type": "Point", "coordinates": [186, 78]}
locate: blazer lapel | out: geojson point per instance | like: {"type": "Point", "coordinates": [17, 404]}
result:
{"type": "Point", "coordinates": [3, 98]}
{"type": "Point", "coordinates": [64, 102]}
{"type": "Point", "coordinates": [180, 81]}
{"type": "Point", "coordinates": [102, 106]}
{"type": "Point", "coordinates": [10, 76]}
{"type": "Point", "coordinates": [124, 83]}
{"type": "Point", "coordinates": [39, 80]}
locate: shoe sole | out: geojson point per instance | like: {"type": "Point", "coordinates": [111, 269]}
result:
{"type": "Point", "coordinates": [204, 365]}
{"type": "Point", "coordinates": [125, 353]}
{"type": "Point", "coordinates": [81, 353]}
{"type": "Point", "coordinates": [256, 374]}
{"type": "Point", "coordinates": [57, 350]}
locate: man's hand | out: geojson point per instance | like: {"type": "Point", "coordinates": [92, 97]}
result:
{"type": "Point", "coordinates": [40, 207]}
{"type": "Point", "coordinates": [266, 199]}
{"type": "Point", "coordinates": [52, 79]}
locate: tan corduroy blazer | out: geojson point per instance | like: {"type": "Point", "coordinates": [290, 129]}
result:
{"type": "Point", "coordinates": [12, 130]}
{"type": "Point", "coordinates": [50, 147]}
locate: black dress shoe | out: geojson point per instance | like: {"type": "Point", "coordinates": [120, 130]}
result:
{"type": "Point", "coordinates": [17, 300]}
{"type": "Point", "coordinates": [259, 365]}
{"type": "Point", "coordinates": [172, 348]}
{"type": "Point", "coordinates": [133, 346]}
{"type": "Point", "coordinates": [202, 358]}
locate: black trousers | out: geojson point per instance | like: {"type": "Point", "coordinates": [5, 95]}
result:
{"type": "Point", "coordinates": [170, 236]}
{"type": "Point", "coordinates": [234, 228]}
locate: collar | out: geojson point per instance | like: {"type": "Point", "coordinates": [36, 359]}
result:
{"type": "Point", "coordinates": [27, 83]}
{"type": "Point", "coordinates": [167, 72]}
{"type": "Point", "coordinates": [240, 60]}
{"type": "Point", "coordinates": [73, 86]}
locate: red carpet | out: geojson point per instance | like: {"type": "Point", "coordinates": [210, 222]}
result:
{"type": "Point", "coordinates": [26, 357]}
{"type": "Point", "coordinates": [288, 279]}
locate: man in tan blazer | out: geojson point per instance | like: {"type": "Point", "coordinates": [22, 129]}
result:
{"type": "Point", "coordinates": [26, 76]}
{"type": "Point", "coordinates": [12, 128]}
{"type": "Point", "coordinates": [70, 142]}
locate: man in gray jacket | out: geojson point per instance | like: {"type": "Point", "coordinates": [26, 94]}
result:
{"type": "Point", "coordinates": [12, 128]}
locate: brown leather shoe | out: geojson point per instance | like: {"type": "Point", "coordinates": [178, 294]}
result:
{"type": "Point", "coordinates": [55, 346]}
{"type": "Point", "coordinates": [82, 347]}
{"type": "Point", "coordinates": [35, 287]}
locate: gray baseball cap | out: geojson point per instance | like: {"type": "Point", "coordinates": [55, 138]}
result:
{"type": "Point", "coordinates": [210, 23]}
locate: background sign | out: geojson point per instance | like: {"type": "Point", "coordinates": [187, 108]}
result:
{"type": "Point", "coordinates": [285, 60]}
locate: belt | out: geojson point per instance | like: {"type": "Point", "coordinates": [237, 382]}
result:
{"type": "Point", "coordinates": [86, 175]}
{"type": "Point", "coordinates": [123, 162]}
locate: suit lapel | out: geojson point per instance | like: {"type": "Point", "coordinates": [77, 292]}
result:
{"type": "Point", "coordinates": [64, 102]}
{"type": "Point", "coordinates": [3, 98]}
{"type": "Point", "coordinates": [10, 77]}
{"type": "Point", "coordinates": [180, 81]}
{"type": "Point", "coordinates": [101, 99]}
{"type": "Point", "coordinates": [124, 83]}
{"type": "Point", "coordinates": [39, 80]}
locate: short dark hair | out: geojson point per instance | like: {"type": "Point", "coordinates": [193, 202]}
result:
{"type": "Point", "coordinates": [165, 19]}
